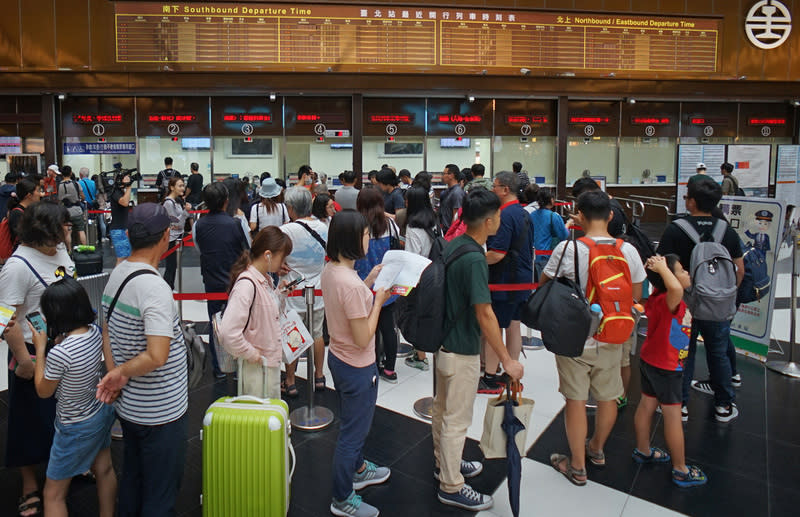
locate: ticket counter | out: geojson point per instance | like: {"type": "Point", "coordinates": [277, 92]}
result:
{"type": "Point", "coordinates": [648, 145]}
{"type": "Point", "coordinates": [319, 134]}
{"type": "Point", "coordinates": [525, 132]}
{"type": "Point", "coordinates": [394, 134]}
{"type": "Point", "coordinates": [592, 140]}
{"type": "Point", "coordinates": [459, 132]}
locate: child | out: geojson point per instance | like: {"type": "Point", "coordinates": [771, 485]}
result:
{"type": "Point", "coordinates": [71, 371]}
{"type": "Point", "coordinates": [662, 359]}
{"type": "Point", "coordinates": [352, 316]}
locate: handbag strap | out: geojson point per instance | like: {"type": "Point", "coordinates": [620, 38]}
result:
{"type": "Point", "coordinates": [128, 278]}
{"type": "Point", "coordinates": [313, 233]}
{"type": "Point", "coordinates": [36, 273]}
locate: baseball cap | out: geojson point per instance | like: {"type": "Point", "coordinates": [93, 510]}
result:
{"type": "Point", "coordinates": [55, 168]}
{"type": "Point", "coordinates": [147, 219]}
{"type": "Point", "coordinates": [701, 165]}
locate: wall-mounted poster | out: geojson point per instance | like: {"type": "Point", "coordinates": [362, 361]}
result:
{"type": "Point", "coordinates": [787, 187]}
{"type": "Point", "coordinates": [758, 222]}
{"type": "Point", "coordinates": [751, 167]}
{"type": "Point", "coordinates": [689, 156]}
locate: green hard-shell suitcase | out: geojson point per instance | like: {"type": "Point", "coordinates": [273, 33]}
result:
{"type": "Point", "coordinates": [246, 451]}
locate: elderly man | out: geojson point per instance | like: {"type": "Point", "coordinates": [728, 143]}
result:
{"type": "Point", "coordinates": [309, 237]}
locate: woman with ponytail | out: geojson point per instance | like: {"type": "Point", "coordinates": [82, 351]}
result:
{"type": "Point", "coordinates": [250, 326]}
{"type": "Point", "coordinates": [27, 193]}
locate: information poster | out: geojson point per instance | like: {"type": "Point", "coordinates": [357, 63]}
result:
{"type": "Point", "coordinates": [688, 157]}
{"type": "Point", "coordinates": [787, 188]}
{"type": "Point", "coordinates": [758, 222]}
{"type": "Point", "coordinates": [751, 167]}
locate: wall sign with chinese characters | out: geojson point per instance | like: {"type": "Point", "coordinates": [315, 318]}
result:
{"type": "Point", "coordinates": [402, 39]}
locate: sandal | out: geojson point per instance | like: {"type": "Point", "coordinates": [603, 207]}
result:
{"type": "Point", "coordinates": [319, 383]}
{"type": "Point", "coordinates": [657, 455]}
{"type": "Point", "coordinates": [291, 391]}
{"type": "Point", "coordinates": [571, 473]}
{"type": "Point", "coordinates": [695, 477]}
{"type": "Point", "coordinates": [24, 504]}
{"type": "Point", "coordinates": [598, 459]}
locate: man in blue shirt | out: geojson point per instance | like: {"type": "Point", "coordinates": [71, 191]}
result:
{"type": "Point", "coordinates": [510, 258]}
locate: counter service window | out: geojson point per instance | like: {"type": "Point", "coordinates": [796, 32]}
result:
{"type": "Point", "coordinates": [648, 146]}
{"type": "Point", "coordinates": [394, 134]}
{"type": "Point", "coordinates": [592, 140]}
{"type": "Point", "coordinates": [459, 132]}
{"type": "Point", "coordinates": [525, 132]}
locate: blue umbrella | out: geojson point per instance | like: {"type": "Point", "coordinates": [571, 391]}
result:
{"type": "Point", "coordinates": [511, 425]}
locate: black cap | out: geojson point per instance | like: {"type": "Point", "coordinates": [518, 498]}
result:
{"type": "Point", "coordinates": [147, 219]}
{"type": "Point", "coordinates": [764, 215]}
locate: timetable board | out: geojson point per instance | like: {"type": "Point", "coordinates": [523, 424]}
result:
{"type": "Point", "coordinates": [409, 39]}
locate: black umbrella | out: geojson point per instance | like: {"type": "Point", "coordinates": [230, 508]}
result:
{"type": "Point", "coordinates": [511, 425]}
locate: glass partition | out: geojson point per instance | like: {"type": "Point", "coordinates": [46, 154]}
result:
{"type": "Point", "coordinates": [84, 151]}
{"type": "Point", "coordinates": [598, 155]}
{"type": "Point", "coordinates": [182, 150]}
{"type": "Point", "coordinates": [463, 152]}
{"type": "Point", "coordinates": [537, 155]}
{"type": "Point", "coordinates": [644, 160]}
{"type": "Point", "coordinates": [331, 156]}
{"type": "Point", "coordinates": [403, 153]}
{"type": "Point", "coordinates": [247, 157]}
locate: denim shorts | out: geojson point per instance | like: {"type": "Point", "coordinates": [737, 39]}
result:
{"type": "Point", "coordinates": [75, 446]}
{"type": "Point", "coordinates": [122, 246]}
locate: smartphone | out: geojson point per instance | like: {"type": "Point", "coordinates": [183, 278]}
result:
{"type": "Point", "coordinates": [293, 283]}
{"type": "Point", "coordinates": [6, 313]}
{"type": "Point", "coordinates": [37, 321]}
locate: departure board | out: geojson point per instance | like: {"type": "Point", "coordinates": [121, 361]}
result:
{"type": "Point", "coordinates": [409, 39]}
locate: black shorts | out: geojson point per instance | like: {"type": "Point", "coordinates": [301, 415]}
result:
{"type": "Point", "coordinates": [506, 312]}
{"type": "Point", "coordinates": [664, 385]}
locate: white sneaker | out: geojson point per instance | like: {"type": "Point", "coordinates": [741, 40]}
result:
{"type": "Point", "coordinates": [726, 414]}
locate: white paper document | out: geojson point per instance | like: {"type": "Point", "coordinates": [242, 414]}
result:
{"type": "Point", "coordinates": [401, 271]}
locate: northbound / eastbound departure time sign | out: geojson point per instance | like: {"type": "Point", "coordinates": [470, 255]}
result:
{"type": "Point", "coordinates": [409, 39]}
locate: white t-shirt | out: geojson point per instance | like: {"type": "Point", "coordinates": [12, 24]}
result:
{"type": "Point", "coordinates": [76, 363]}
{"type": "Point", "coordinates": [146, 308]}
{"type": "Point", "coordinates": [307, 258]}
{"type": "Point", "coordinates": [260, 215]}
{"type": "Point", "coordinates": [418, 241]}
{"type": "Point", "coordinates": [567, 265]}
{"type": "Point", "coordinates": [245, 228]}
{"type": "Point", "coordinates": [19, 285]}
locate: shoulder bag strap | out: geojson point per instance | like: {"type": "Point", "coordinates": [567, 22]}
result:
{"type": "Point", "coordinates": [720, 227]}
{"type": "Point", "coordinates": [314, 234]}
{"type": "Point", "coordinates": [255, 292]}
{"type": "Point", "coordinates": [36, 273]}
{"type": "Point", "coordinates": [688, 229]}
{"type": "Point", "coordinates": [458, 253]}
{"type": "Point", "coordinates": [88, 191]}
{"type": "Point", "coordinates": [138, 272]}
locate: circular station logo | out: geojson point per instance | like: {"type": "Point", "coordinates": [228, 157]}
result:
{"type": "Point", "coordinates": [526, 130]}
{"type": "Point", "coordinates": [461, 129]}
{"type": "Point", "coordinates": [391, 129]}
{"type": "Point", "coordinates": [173, 129]}
{"type": "Point", "coordinates": [650, 130]}
{"type": "Point", "coordinates": [99, 129]}
{"type": "Point", "coordinates": [768, 24]}
{"type": "Point", "coordinates": [588, 130]}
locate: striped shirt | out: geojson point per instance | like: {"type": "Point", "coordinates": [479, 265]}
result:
{"type": "Point", "coordinates": [145, 308]}
{"type": "Point", "coordinates": [76, 363]}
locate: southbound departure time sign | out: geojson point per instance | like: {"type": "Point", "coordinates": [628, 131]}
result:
{"type": "Point", "coordinates": [402, 39]}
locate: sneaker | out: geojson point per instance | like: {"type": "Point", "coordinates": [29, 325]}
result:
{"type": "Point", "coordinates": [388, 375]}
{"type": "Point", "coordinates": [726, 414]}
{"type": "Point", "coordinates": [466, 498]}
{"type": "Point", "coordinates": [532, 343]}
{"type": "Point", "coordinates": [414, 362]}
{"type": "Point", "coordinates": [488, 384]}
{"type": "Point", "coordinates": [116, 430]}
{"type": "Point", "coordinates": [703, 386]}
{"type": "Point", "coordinates": [736, 380]}
{"type": "Point", "coordinates": [684, 413]}
{"type": "Point", "coordinates": [372, 475]}
{"type": "Point", "coordinates": [469, 469]}
{"type": "Point", "coordinates": [353, 506]}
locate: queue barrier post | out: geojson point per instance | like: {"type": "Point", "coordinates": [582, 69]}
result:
{"type": "Point", "coordinates": [423, 407]}
{"type": "Point", "coordinates": [310, 417]}
{"type": "Point", "coordinates": [789, 367]}
{"type": "Point", "coordinates": [179, 261]}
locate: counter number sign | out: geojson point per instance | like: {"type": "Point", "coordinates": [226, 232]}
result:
{"type": "Point", "coordinates": [708, 130]}
{"type": "Point", "coordinates": [588, 130]}
{"type": "Point", "coordinates": [650, 130]}
{"type": "Point", "coordinates": [766, 130]}
{"type": "Point", "coordinates": [319, 129]}
{"type": "Point", "coordinates": [526, 130]}
{"type": "Point", "coordinates": [98, 129]}
{"type": "Point", "coordinates": [173, 129]}
{"type": "Point", "coordinates": [461, 129]}
{"type": "Point", "coordinates": [247, 129]}
{"type": "Point", "coordinates": [768, 24]}
{"type": "Point", "coordinates": [391, 129]}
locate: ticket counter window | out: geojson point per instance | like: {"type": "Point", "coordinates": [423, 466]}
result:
{"type": "Point", "coordinates": [402, 153]}
{"type": "Point", "coordinates": [597, 155]}
{"type": "Point", "coordinates": [463, 152]}
{"type": "Point", "coordinates": [331, 156]}
{"type": "Point", "coordinates": [183, 151]}
{"type": "Point", "coordinates": [537, 156]}
{"type": "Point", "coordinates": [645, 161]}
{"type": "Point", "coordinates": [99, 156]}
{"type": "Point", "coordinates": [247, 157]}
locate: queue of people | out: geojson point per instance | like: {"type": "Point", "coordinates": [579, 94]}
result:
{"type": "Point", "coordinates": [301, 232]}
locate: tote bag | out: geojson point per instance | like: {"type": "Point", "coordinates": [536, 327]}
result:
{"type": "Point", "coordinates": [494, 439]}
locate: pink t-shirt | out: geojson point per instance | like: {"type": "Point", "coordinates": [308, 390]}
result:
{"type": "Point", "coordinates": [346, 298]}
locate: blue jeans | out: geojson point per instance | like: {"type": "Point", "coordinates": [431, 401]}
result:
{"type": "Point", "coordinates": [152, 468]}
{"type": "Point", "coordinates": [357, 389]}
{"type": "Point", "coordinates": [716, 338]}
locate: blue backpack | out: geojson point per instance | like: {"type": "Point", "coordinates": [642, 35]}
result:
{"type": "Point", "coordinates": [756, 282]}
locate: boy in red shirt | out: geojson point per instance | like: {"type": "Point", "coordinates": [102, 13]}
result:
{"type": "Point", "coordinates": [662, 357]}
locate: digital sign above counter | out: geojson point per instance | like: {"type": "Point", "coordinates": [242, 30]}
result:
{"type": "Point", "coordinates": [246, 117]}
{"type": "Point", "coordinates": [392, 119]}
{"type": "Point", "coordinates": [526, 119]}
{"type": "Point", "coordinates": [589, 120]}
{"type": "Point", "coordinates": [171, 117]}
{"type": "Point", "coordinates": [460, 119]}
{"type": "Point", "coordinates": [651, 121]}
{"type": "Point", "coordinates": [766, 121]}
{"type": "Point", "coordinates": [96, 118]}
{"type": "Point", "coordinates": [410, 39]}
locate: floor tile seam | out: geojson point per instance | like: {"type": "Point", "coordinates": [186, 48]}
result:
{"type": "Point", "coordinates": [766, 444]}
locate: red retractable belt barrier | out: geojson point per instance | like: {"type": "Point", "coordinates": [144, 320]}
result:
{"type": "Point", "coordinates": [187, 242]}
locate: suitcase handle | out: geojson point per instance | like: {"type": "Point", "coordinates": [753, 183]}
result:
{"type": "Point", "coordinates": [294, 459]}
{"type": "Point", "coordinates": [240, 382]}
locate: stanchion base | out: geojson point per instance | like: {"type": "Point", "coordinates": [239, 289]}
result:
{"type": "Point", "coordinates": [317, 419]}
{"type": "Point", "coordinates": [790, 369]}
{"type": "Point", "coordinates": [532, 343]}
{"type": "Point", "coordinates": [423, 408]}
{"type": "Point", "coordinates": [404, 350]}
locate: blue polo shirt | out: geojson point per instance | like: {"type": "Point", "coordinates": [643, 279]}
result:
{"type": "Point", "coordinates": [514, 239]}
{"type": "Point", "coordinates": [547, 226]}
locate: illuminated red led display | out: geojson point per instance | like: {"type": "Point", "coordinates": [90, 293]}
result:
{"type": "Point", "coordinates": [702, 121]}
{"type": "Point", "coordinates": [171, 117]}
{"type": "Point", "coordinates": [247, 117]}
{"type": "Point", "coordinates": [393, 118]}
{"type": "Point", "coordinates": [308, 117]}
{"type": "Point", "coordinates": [526, 119]}
{"type": "Point", "coordinates": [588, 120]}
{"type": "Point", "coordinates": [766, 121]}
{"type": "Point", "coordinates": [651, 121]}
{"type": "Point", "coordinates": [96, 118]}
{"type": "Point", "coordinates": [460, 119]}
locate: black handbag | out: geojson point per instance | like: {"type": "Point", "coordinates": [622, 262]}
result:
{"type": "Point", "coordinates": [560, 311]}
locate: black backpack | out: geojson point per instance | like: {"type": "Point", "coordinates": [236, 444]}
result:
{"type": "Point", "coordinates": [634, 236]}
{"type": "Point", "coordinates": [422, 315]}
{"type": "Point", "coordinates": [756, 282]}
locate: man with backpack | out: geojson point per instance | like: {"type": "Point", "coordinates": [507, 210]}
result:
{"type": "Point", "coordinates": [164, 175]}
{"type": "Point", "coordinates": [696, 236]}
{"type": "Point", "coordinates": [613, 284]}
{"type": "Point", "coordinates": [730, 185]}
{"type": "Point", "coordinates": [71, 196]}
{"type": "Point", "coordinates": [468, 306]}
